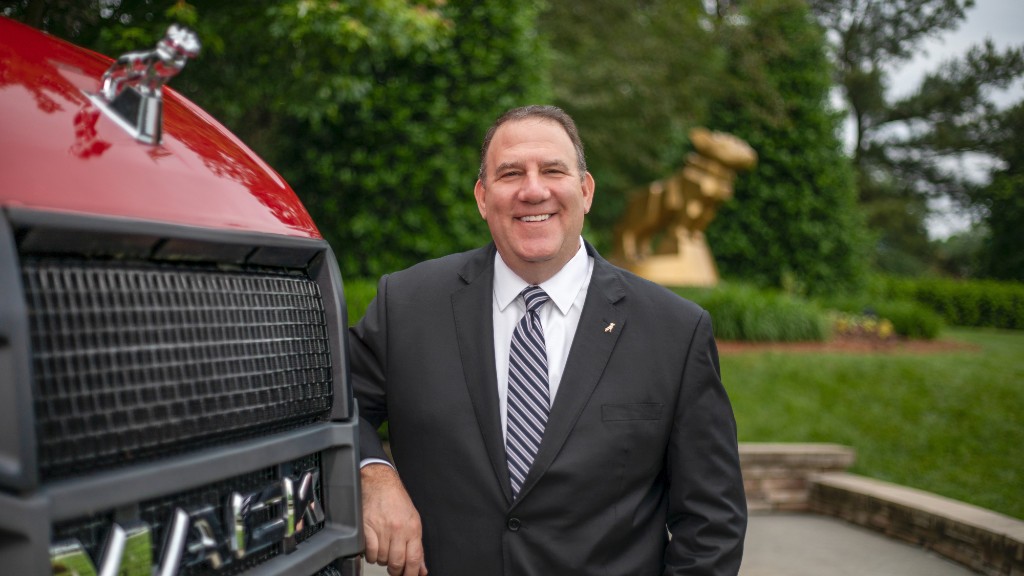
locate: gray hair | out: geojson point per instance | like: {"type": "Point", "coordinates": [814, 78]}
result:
{"type": "Point", "coordinates": [551, 113]}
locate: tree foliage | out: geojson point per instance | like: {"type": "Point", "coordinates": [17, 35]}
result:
{"type": "Point", "coordinates": [869, 36]}
{"type": "Point", "coordinates": [390, 173]}
{"type": "Point", "coordinates": [794, 220]}
{"type": "Point", "coordinates": [949, 115]}
{"type": "Point", "coordinates": [1003, 201]}
{"type": "Point", "coordinates": [636, 76]}
{"type": "Point", "coordinates": [911, 149]}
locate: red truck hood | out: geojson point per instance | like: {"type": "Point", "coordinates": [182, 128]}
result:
{"type": "Point", "coordinates": [59, 152]}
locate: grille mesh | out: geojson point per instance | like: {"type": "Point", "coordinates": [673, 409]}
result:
{"type": "Point", "coordinates": [139, 361]}
{"type": "Point", "coordinates": [92, 532]}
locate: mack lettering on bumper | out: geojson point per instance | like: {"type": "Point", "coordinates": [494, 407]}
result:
{"type": "Point", "coordinates": [195, 536]}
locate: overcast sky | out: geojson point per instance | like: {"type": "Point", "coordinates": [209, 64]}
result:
{"type": "Point", "coordinates": [1000, 20]}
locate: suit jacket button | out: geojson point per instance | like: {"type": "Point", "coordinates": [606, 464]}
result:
{"type": "Point", "coordinates": [514, 524]}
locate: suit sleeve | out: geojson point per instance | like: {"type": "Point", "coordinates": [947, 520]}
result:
{"type": "Point", "coordinates": [368, 361]}
{"type": "Point", "coordinates": [707, 508]}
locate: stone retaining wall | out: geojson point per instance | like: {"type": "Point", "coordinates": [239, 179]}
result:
{"type": "Point", "coordinates": [812, 477]}
{"type": "Point", "coordinates": [777, 477]}
{"type": "Point", "coordinates": [980, 539]}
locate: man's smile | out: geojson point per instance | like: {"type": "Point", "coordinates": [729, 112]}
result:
{"type": "Point", "coordinates": [535, 218]}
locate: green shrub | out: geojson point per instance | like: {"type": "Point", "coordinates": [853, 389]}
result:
{"type": "Point", "coordinates": [358, 294]}
{"type": "Point", "coordinates": [743, 312]}
{"type": "Point", "coordinates": [911, 319]}
{"type": "Point", "coordinates": [983, 303]}
{"type": "Point", "coordinates": [907, 317]}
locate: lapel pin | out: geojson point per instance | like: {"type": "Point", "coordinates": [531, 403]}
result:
{"type": "Point", "coordinates": [610, 328]}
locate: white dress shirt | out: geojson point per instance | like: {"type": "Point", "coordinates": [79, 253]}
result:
{"type": "Point", "coordinates": [559, 317]}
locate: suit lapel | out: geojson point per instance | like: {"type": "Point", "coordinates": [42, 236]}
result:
{"type": "Point", "coordinates": [591, 348]}
{"type": "Point", "coordinates": [474, 327]}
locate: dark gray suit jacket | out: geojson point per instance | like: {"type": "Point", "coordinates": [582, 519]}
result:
{"type": "Point", "coordinates": [641, 434]}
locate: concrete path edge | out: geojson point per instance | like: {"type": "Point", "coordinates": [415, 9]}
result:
{"type": "Point", "coordinates": [980, 539]}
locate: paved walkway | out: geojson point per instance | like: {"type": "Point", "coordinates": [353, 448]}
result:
{"type": "Point", "coordinates": [809, 544]}
{"type": "Point", "coordinates": [813, 545]}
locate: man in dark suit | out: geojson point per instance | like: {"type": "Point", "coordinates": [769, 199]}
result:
{"type": "Point", "coordinates": [549, 413]}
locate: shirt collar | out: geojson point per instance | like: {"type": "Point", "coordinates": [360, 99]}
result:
{"type": "Point", "coordinates": [562, 288]}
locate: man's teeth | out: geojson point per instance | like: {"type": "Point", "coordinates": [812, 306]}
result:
{"type": "Point", "coordinates": [537, 218]}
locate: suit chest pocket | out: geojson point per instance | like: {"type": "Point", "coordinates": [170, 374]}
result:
{"type": "Point", "coordinates": [628, 412]}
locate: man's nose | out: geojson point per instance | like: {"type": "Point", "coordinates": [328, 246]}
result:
{"type": "Point", "coordinates": [534, 189]}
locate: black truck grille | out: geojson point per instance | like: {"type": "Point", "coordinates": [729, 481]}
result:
{"type": "Point", "coordinates": [92, 532]}
{"type": "Point", "coordinates": [135, 361]}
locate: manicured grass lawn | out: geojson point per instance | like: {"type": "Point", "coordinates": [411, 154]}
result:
{"type": "Point", "coordinates": [951, 423]}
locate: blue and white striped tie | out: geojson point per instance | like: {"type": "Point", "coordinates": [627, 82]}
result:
{"type": "Point", "coordinates": [528, 398]}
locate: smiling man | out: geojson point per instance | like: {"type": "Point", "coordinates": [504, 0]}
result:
{"type": "Point", "coordinates": [549, 413]}
{"type": "Point", "coordinates": [533, 190]}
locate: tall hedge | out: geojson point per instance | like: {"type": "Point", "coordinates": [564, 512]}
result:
{"type": "Point", "coordinates": [794, 220]}
{"type": "Point", "coordinates": [984, 303]}
{"type": "Point", "coordinates": [390, 176]}
{"type": "Point", "coordinates": [392, 180]}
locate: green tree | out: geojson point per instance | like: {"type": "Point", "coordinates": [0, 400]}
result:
{"type": "Point", "coordinates": [907, 150]}
{"type": "Point", "coordinates": [794, 221]}
{"type": "Point", "coordinates": [951, 115]}
{"type": "Point", "coordinates": [389, 172]}
{"type": "Point", "coordinates": [868, 38]}
{"type": "Point", "coordinates": [1002, 201]}
{"type": "Point", "coordinates": [959, 255]}
{"type": "Point", "coordinates": [75, 21]}
{"type": "Point", "coordinates": [636, 76]}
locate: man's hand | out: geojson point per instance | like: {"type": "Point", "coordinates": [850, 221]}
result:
{"type": "Point", "coordinates": [394, 535]}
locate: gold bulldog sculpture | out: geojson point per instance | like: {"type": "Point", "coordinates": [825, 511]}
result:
{"type": "Point", "coordinates": [661, 234]}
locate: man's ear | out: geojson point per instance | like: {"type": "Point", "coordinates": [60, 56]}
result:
{"type": "Point", "coordinates": [480, 194]}
{"type": "Point", "coordinates": [589, 187]}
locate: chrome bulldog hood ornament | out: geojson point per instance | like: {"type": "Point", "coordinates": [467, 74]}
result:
{"type": "Point", "coordinates": [132, 92]}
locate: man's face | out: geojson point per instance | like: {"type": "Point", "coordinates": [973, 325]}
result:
{"type": "Point", "coordinates": [534, 198]}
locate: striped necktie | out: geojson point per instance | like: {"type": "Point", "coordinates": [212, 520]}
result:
{"type": "Point", "coordinates": [528, 398]}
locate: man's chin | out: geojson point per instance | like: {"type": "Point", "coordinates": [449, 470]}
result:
{"type": "Point", "coordinates": [535, 256]}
